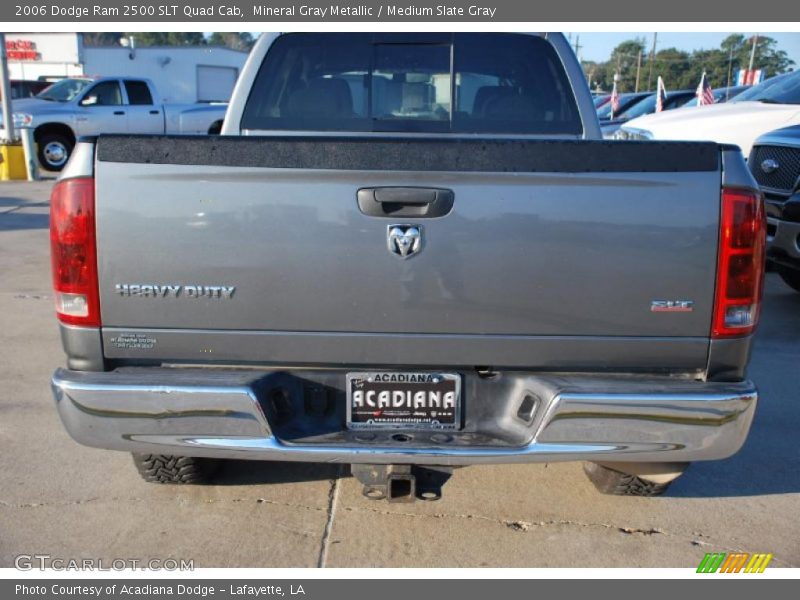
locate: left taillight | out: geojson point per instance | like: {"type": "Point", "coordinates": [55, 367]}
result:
{"type": "Point", "coordinates": [740, 268]}
{"type": "Point", "coordinates": [73, 252]}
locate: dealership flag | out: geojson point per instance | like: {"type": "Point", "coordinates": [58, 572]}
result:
{"type": "Point", "coordinates": [614, 100]}
{"type": "Point", "coordinates": [749, 77]}
{"type": "Point", "coordinates": [705, 95]}
{"type": "Point", "coordinates": [661, 95]}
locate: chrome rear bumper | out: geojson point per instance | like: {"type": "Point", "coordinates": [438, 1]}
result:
{"type": "Point", "coordinates": [232, 414]}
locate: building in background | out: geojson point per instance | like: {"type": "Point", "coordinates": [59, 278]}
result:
{"type": "Point", "coordinates": [183, 74]}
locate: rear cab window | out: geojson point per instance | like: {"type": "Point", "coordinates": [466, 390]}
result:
{"type": "Point", "coordinates": [138, 93]}
{"type": "Point", "coordinates": [445, 83]}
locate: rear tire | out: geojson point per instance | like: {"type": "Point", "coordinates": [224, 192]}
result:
{"type": "Point", "coordinates": [180, 470]}
{"type": "Point", "coordinates": [791, 277]}
{"type": "Point", "coordinates": [616, 483]}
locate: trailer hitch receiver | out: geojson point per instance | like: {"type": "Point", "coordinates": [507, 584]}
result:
{"type": "Point", "coordinates": [401, 483]}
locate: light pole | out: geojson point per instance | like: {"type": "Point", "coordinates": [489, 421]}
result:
{"type": "Point", "coordinates": [5, 87]}
{"type": "Point", "coordinates": [753, 52]}
{"type": "Point", "coordinates": [730, 73]}
{"type": "Point", "coordinates": [638, 70]}
{"type": "Point", "coordinates": [652, 58]}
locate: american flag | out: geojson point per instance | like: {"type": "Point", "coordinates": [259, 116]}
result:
{"type": "Point", "coordinates": [705, 95]}
{"type": "Point", "coordinates": [661, 95]}
{"type": "Point", "coordinates": [614, 100]}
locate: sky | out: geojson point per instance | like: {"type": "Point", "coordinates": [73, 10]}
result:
{"type": "Point", "coordinates": [598, 46]}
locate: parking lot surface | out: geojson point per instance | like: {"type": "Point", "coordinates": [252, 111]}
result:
{"type": "Point", "coordinates": [69, 501]}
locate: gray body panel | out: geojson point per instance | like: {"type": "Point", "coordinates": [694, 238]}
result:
{"type": "Point", "coordinates": [520, 254]}
{"type": "Point", "coordinates": [577, 353]}
{"type": "Point", "coordinates": [550, 257]}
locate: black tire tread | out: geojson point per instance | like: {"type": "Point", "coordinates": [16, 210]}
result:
{"type": "Point", "coordinates": [180, 470]}
{"type": "Point", "coordinates": [615, 483]}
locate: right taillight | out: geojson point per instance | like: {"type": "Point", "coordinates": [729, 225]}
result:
{"type": "Point", "coordinates": [73, 252]}
{"type": "Point", "coordinates": [740, 268]}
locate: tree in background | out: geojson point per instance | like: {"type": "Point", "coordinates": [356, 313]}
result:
{"type": "Point", "coordinates": [682, 70]}
{"type": "Point", "coordinates": [173, 38]}
{"type": "Point", "coordinates": [623, 60]}
{"type": "Point", "coordinates": [242, 40]}
{"type": "Point", "coordinates": [767, 57]}
{"type": "Point", "coordinates": [591, 69]}
{"type": "Point", "coordinates": [673, 64]}
{"type": "Point", "coordinates": [102, 38]}
{"type": "Point", "coordinates": [715, 65]}
{"type": "Point", "coordinates": [734, 54]}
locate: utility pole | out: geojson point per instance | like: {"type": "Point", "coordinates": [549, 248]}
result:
{"type": "Point", "coordinates": [5, 86]}
{"type": "Point", "coordinates": [578, 47]}
{"type": "Point", "coordinates": [753, 52]}
{"type": "Point", "coordinates": [638, 70]}
{"type": "Point", "coordinates": [652, 58]}
{"type": "Point", "coordinates": [730, 73]}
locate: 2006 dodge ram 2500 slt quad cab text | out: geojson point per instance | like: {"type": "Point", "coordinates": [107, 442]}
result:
{"type": "Point", "coordinates": [408, 253]}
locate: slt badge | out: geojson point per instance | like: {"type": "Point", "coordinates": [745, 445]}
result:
{"type": "Point", "coordinates": [404, 240]}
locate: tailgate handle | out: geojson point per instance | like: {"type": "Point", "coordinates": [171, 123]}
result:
{"type": "Point", "coordinates": [420, 202]}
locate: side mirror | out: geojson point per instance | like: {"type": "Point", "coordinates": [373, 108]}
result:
{"type": "Point", "coordinates": [89, 100]}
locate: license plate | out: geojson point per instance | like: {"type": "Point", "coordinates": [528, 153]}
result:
{"type": "Point", "coordinates": [417, 400]}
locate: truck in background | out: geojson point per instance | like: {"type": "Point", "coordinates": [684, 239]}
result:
{"type": "Point", "coordinates": [775, 164]}
{"type": "Point", "coordinates": [75, 107]}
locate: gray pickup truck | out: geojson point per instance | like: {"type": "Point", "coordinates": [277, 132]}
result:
{"type": "Point", "coordinates": [408, 253]}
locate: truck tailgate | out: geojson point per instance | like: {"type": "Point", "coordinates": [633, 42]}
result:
{"type": "Point", "coordinates": [553, 251]}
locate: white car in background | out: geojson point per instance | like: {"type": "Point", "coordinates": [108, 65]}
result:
{"type": "Point", "coordinates": [770, 105]}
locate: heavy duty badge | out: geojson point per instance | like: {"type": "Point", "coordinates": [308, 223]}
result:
{"type": "Point", "coordinates": [153, 290]}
